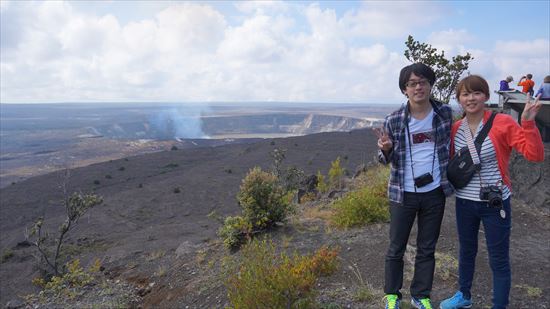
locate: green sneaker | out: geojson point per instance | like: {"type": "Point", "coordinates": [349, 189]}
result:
{"type": "Point", "coordinates": [421, 303]}
{"type": "Point", "coordinates": [392, 301]}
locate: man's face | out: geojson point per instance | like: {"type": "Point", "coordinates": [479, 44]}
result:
{"type": "Point", "coordinates": [418, 89]}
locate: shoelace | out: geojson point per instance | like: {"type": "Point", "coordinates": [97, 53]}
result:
{"type": "Point", "coordinates": [426, 303]}
{"type": "Point", "coordinates": [392, 300]}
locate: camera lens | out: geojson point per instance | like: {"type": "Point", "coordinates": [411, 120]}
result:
{"type": "Point", "coordinates": [495, 202]}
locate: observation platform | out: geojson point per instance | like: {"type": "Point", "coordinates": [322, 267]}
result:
{"type": "Point", "coordinates": [513, 103]}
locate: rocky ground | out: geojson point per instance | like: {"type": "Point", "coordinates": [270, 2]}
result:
{"type": "Point", "coordinates": [160, 245]}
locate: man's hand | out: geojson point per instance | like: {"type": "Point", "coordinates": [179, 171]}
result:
{"type": "Point", "coordinates": [531, 108]}
{"type": "Point", "coordinates": [384, 142]}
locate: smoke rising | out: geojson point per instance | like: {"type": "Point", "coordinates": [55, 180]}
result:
{"type": "Point", "coordinates": [181, 122]}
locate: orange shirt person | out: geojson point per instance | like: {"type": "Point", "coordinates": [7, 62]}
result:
{"type": "Point", "coordinates": [527, 83]}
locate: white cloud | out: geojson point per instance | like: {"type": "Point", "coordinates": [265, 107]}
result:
{"type": "Point", "coordinates": [391, 19]}
{"type": "Point", "coordinates": [277, 51]}
{"type": "Point", "coordinates": [451, 41]}
{"type": "Point", "coordinates": [370, 56]}
{"type": "Point", "coordinates": [262, 7]}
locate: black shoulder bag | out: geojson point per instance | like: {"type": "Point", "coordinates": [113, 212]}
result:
{"type": "Point", "coordinates": [461, 166]}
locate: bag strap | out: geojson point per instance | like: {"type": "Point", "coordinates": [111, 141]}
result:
{"type": "Point", "coordinates": [484, 131]}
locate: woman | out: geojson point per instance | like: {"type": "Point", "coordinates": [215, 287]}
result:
{"type": "Point", "coordinates": [544, 91]}
{"type": "Point", "coordinates": [472, 202]}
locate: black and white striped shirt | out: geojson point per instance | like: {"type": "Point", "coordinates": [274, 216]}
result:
{"type": "Point", "coordinates": [490, 174]}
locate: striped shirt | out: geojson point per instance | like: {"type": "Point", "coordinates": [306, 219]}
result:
{"type": "Point", "coordinates": [394, 124]}
{"type": "Point", "coordinates": [490, 174]}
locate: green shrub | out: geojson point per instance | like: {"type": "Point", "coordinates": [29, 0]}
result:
{"type": "Point", "coordinates": [265, 279]}
{"type": "Point", "coordinates": [335, 174]}
{"type": "Point", "coordinates": [262, 199]}
{"type": "Point", "coordinates": [235, 231]}
{"type": "Point", "coordinates": [368, 204]}
{"type": "Point", "coordinates": [70, 282]}
{"type": "Point", "coordinates": [322, 186]}
{"type": "Point", "coordinates": [122, 168]}
{"type": "Point", "coordinates": [108, 176]}
{"type": "Point", "coordinates": [177, 190]}
{"type": "Point", "coordinates": [96, 182]}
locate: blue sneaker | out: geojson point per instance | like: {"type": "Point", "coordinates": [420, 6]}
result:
{"type": "Point", "coordinates": [421, 303]}
{"type": "Point", "coordinates": [456, 302]}
{"type": "Point", "coordinates": [392, 301]}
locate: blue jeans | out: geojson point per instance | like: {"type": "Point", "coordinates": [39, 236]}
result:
{"type": "Point", "coordinates": [469, 214]}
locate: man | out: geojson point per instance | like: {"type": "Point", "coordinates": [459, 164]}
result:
{"type": "Point", "coordinates": [527, 83]}
{"type": "Point", "coordinates": [415, 141]}
{"type": "Point", "coordinates": [504, 84]}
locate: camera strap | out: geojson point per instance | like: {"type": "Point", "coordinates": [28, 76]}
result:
{"type": "Point", "coordinates": [475, 146]}
{"type": "Point", "coordinates": [407, 115]}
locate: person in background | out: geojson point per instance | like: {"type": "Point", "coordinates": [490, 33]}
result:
{"type": "Point", "coordinates": [504, 84]}
{"type": "Point", "coordinates": [475, 203]}
{"type": "Point", "coordinates": [527, 83]}
{"type": "Point", "coordinates": [544, 91]}
{"type": "Point", "coordinates": [415, 140]}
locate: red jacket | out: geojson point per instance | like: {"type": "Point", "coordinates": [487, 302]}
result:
{"type": "Point", "coordinates": [507, 134]}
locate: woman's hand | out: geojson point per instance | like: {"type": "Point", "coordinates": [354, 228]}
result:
{"type": "Point", "coordinates": [384, 142]}
{"type": "Point", "coordinates": [531, 108]}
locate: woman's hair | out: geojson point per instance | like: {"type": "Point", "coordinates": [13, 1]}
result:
{"type": "Point", "coordinates": [419, 69]}
{"type": "Point", "coordinates": [547, 79]}
{"type": "Point", "coordinates": [473, 83]}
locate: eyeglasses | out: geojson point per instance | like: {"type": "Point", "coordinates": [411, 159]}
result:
{"type": "Point", "coordinates": [413, 84]}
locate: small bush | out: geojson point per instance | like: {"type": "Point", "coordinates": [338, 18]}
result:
{"type": "Point", "coordinates": [235, 231]}
{"type": "Point", "coordinates": [174, 147]}
{"type": "Point", "coordinates": [265, 279]}
{"type": "Point", "coordinates": [96, 182]}
{"type": "Point", "coordinates": [264, 202]}
{"type": "Point", "coordinates": [122, 168]}
{"type": "Point", "coordinates": [335, 174]}
{"type": "Point", "coordinates": [368, 204]}
{"type": "Point", "coordinates": [49, 248]}
{"type": "Point", "coordinates": [108, 176]}
{"type": "Point", "coordinates": [140, 185]}
{"type": "Point", "coordinates": [68, 284]}
{"type": "Point", "coordinates": [177, 190]}
{"type": "Point", "coordinates": [171, 165]}
{"type": "Point", "coordinates": [262, 199]}
{"type": "Point", "coordinates": [322, 186]}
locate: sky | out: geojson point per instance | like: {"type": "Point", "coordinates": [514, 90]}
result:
{"type": "Point", "coordinates": [274, 51]}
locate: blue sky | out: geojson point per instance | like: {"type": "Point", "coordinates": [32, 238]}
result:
{"type": "Point", "coordinates": [328, 51]}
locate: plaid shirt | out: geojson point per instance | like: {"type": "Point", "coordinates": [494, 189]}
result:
{"type": "Point", "coordinates": [395, 126]}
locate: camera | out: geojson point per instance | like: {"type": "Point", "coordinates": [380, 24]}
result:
{"type": "Point", "coordinates": [423, 180]}
{"type": "Point", "coordinates": [491, 194]}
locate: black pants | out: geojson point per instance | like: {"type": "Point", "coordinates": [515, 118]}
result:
{"type": "Point", "coordinates": [429, 207]}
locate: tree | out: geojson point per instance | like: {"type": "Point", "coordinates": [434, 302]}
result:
{"type": "Point", "coordinates": [76, 205]}
{"type": "Point", "coordinates": [447, 72]}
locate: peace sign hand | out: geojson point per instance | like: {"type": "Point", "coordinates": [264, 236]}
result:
{"type": "Point", "coordinates": [531, 109]}
{"type": "Point", "coordinates": [384, 141]}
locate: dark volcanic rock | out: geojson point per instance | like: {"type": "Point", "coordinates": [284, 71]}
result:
{"type": "Point", "coordinates": [531, 180]}
{"type": "Point", "coordinates": [140, 210]}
